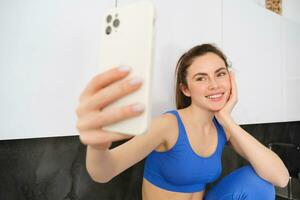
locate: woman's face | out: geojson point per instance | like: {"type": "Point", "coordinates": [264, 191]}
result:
{"type": "Point", "coordinates": [208, 82]}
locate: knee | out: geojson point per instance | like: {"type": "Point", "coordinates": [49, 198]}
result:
{"type": "Point", "coordinates": [253, 183]}
{"type": "Point", "coordinates": [242, 183]}
{"type": "Point", "coordinates": [249, 176]}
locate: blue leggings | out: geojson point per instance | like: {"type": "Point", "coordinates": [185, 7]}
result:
{"type": "Point", "coordinates": [242, 184]}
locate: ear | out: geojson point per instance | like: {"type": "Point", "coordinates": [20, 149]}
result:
{"type": "Point", "coordinates": [185, 90]}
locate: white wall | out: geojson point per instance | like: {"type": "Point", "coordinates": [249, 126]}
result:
{"type": "Point", "coordinates": [49, 51]}
{"type": "Point", "coordinates": [252, 40]}
{"type": "Point", "coordinates": [259, 2]}
{"type": "Point", "coordinates": [291, 70]}
{"type": "Point", "coordinates": [290, 10]}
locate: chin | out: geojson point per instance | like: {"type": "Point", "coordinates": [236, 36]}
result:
{"type": "Point", "coordinates": [216, 108]}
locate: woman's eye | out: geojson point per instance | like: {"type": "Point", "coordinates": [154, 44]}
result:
{"type": "Point", "coordinates": [222, 74]}
{"type": "Point", "coordinates": [200, 79]}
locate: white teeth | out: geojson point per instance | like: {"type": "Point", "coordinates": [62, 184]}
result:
{"type": "Point", "coordinates": [214, 96]}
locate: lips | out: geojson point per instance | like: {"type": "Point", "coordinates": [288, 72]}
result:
{"type": "Point", "coordinates": [215, 97]}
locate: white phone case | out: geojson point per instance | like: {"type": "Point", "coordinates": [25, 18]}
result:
{"type": "Point", "coordinates": [129, 42]}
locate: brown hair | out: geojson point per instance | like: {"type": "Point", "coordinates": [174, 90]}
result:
{"type": "Point", "coordinates": [183, 64]}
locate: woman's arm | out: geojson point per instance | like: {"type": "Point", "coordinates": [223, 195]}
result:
{"type": "Point", "coordinates": [103, 164]}
{"type": "Point", "coordinates": [264, 161]}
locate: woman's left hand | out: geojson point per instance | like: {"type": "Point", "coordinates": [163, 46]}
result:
{"type": "Point", "coordinates": [224, 114]}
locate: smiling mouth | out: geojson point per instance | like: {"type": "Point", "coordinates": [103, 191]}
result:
{"type": "Point", "coordinates": [215, 96]}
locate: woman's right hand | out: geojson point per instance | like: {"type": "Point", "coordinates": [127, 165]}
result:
{"type": "Point", "coordinates": [102, 90]}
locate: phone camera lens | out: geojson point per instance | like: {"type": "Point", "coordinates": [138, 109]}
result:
{"type": "Point", "coordinates": [108, 18]}
{"type": "Point", "coordinates": [108, 30]}
{"type": "Point", "coordinates": [116, 23]}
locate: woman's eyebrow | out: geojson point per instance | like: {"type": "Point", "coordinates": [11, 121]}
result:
{"type": "Point", "coordinates": [220, 69]}
{"type": "Point", "coordinates": [205, 74]}
{"type": "Point", "coordinates": [200, 73]}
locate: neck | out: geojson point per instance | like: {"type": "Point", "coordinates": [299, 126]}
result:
{"type": "Point", "coordinates": [198, 116]}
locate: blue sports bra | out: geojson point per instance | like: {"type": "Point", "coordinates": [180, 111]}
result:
{"type": "Point", "coordinates": [180, 169]}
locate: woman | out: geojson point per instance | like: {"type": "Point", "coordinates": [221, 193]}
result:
{"type": "Point", "coordinates": [183, 147]}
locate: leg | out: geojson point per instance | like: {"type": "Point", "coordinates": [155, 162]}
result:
{"type": "Point", "coordinates": [242, 184]}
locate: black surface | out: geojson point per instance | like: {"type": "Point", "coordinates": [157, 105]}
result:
{"type": "Point", "coordinates": [54, 168]}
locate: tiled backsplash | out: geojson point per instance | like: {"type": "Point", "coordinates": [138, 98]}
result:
{"type": "Point", "coordinates": [54, 168]}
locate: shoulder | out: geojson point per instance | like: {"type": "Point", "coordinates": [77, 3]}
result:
{"type": "Point", "coordinates": [163, 125]}
{"type": "Point", "coordinates": [163, 122]}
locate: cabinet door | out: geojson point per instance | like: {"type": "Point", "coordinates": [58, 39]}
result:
{"type": "Point", "coordinates": [291, 69]}
{"type": "Point", "coordinates": [180, 25]}
{"type": "Point", "coordinates": [48, 52]}
{"type": "Point", "coordinates": [252, 41]}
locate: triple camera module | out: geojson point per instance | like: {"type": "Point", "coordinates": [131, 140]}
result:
{"type": "Point", "coordinates": [112, 23]}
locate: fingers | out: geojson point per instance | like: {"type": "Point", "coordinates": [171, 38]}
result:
{"type": "Point", "coordinates": [90, 125]}
{"type": "Point", "coordinates": [102, 90]}
{"type": "Point", "coordinates": [104, 79]}
{"type": "Point", "coordinates": [233, 86]}
{"type": "Point", "coordinates": [113, 92]}
{"type": "Point", "coordinates": [105, 88]}
{"type": "Point", "coordinates": [107, 95]}
{"type": "Point", "coordinates": [99, 119]}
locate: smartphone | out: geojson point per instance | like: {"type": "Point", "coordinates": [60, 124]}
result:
{"type": "Point", "coordinates": [127, 39]}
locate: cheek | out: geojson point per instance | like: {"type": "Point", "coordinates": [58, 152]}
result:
{"type": "Point", "coordinates": [227, 84]}
{"type": "Point", "coordinates": [197, 89]}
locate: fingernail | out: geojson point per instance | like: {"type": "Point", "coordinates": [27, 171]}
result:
{"type": "Point", "coordinates": [135, 81]}
{"type": "Point", "coordinates": [138, 107]}
{"type": "Point", "coordinates": [124, 68]}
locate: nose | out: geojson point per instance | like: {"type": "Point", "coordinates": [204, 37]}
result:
{"type": "Point", "coordinates": [213, 84]}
